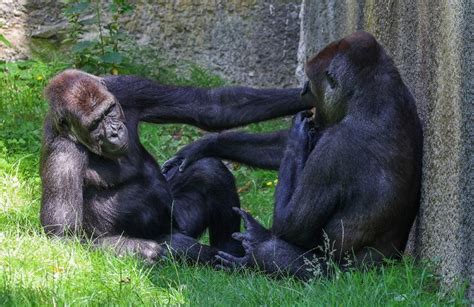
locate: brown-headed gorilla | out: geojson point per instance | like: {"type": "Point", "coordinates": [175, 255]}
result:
{"type": "Point", "coordinates": [350, 175]}
{"type": "Point", "coordinates": [99, 182]}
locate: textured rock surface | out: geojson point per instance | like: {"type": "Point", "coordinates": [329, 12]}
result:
{"type": "Point", "coordinates": [431, 43]}
{"type": "Point", "coordinates": [250, 42]}
{"type": "Point", "coordinates": [20, 18]}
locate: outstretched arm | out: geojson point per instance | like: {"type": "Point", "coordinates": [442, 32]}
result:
{"type": "Point", "coordinates": [210, 109]}
{"type": "Point", "coordinates": [263, 150]}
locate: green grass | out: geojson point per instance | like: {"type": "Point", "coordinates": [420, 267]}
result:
{"type": "Point", "coordinates": [36, 270]}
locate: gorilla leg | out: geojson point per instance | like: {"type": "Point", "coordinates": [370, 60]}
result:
{"type": "Point", "coordinates": [203, 197]}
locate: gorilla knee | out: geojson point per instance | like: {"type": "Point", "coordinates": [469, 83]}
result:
{"type": "Point", "coordinates": [209, 171]}
{"type": "Point", "coordinates": [217, 173]}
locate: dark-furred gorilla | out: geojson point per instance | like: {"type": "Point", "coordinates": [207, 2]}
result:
{"type": "Point", "coordinates": [350, 175]}
{"type": "Point", "coordinates": [99, 182]}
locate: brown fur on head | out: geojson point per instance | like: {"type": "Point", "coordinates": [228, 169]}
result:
{"type": "Point", "coordinates": [359, 49]}
{"type": "Point", "coordinates": [337, 70]}
{"type": "Point", "coordinates": [74, 93]}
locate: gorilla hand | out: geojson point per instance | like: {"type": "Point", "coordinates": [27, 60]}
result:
{"type": "Point", "coordinates": [303, 134]}
{"type": "Point", "coordinates": [253, 236]}
{"type": "Point", "coordinates": [190, 153]}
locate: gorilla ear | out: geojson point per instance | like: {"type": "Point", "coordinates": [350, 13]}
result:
{"type": "Point", "coordinates": [362, 49]}
{"type": "Point", "coordinates": [61, 125]}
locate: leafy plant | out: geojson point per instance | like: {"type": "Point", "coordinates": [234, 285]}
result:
{"type": "Point", "coordinates": [104, 54]}
{"type": "Point", "coordinates": [5, 41]}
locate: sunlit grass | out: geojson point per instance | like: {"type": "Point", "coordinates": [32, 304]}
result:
{"type": "Point", "coordinates": [37, 270]}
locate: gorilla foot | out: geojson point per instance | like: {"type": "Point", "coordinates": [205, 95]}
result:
{"type": "Point", "coordinates": [150, 251]}
{"type": "Point", "coordinates": [254, 235]}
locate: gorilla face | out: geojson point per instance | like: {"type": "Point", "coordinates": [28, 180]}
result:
{"type": "Point", "coordinates": [104, 132]}
{"type": "Point", "coordinates": [86, 112]}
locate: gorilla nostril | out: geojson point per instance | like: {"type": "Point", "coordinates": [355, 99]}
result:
{"type": "Point", "coordinates": [112, 132]}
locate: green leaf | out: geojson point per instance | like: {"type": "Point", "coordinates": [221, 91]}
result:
{"type": "Point", "coordinates": [4, 40]}
{"type": "Point", "coordinates": [23, 65]}
{"type": "Point", "coordinates": [112, 58]}
{"type": "Point", "coordinates": [82, 45]}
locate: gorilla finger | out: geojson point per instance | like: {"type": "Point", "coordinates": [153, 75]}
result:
{"type": "Point", "coordinates": [170, 173]}
{"type": "Point", "coordinates": [243, 214]}
{"type": "Point", "coordinates": [248, 246]}
{"type": "Point", "coordinates": [184, 164]}
{"type": "Point", "coordinates": [249, 221]}
{"type": "Point", "coordinates": [165, 167]}
{"type": "Point", "coordinates": [172, 161]}
{"type": "Point", "coordinates": [246, 241]}
{"type": "Point", "coordinates": [240, 236]}
{"type": "Point", "coordinates": [229, 260]}
{"type": "Point", "coordinates": [169, 164]}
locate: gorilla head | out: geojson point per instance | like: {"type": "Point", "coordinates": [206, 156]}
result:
{"type": "Point", "coordinates": [83, 110]}
{"type": "Point", "coordinates": [339, 71]}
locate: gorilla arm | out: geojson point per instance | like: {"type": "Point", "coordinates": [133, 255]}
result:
{"type": "Point", "coordinates": [301, 141]}
{"type": "Point", "coordinates": [210, 109]}
{"type": "Point", "coordinates": [263, 150]}
{"type": "Point", "coordinates": [62, 166]}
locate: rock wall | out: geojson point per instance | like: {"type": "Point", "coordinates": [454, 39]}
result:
{"type": "Point", "coordinates": [248, 41]}
{"type": "Point", "coordinates": [431, 43]}
{"type": "Point", "coordinates": [251, 42]}
{"type": "Point", "coordinates": [18, 21]}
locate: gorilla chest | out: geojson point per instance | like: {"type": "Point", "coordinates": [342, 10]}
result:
{"type": "Point", "coordinates": [123, 179]}
{"type": "Point", "coordinates": [120, 195]}
{"type": "Point", "coordinates": [105, 174]}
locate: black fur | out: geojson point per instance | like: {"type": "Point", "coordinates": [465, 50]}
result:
{"type": "Point", "coordinates": [100, 182]}
{"type": "Point", "coordinates": [351, 174]}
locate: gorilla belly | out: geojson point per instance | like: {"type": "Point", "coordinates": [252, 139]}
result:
{"type": "Point", "coordinates": [129, 209]}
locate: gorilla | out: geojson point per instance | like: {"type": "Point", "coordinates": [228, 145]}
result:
{"type": "Point", "coordinates": [349, 174]}
{"type": "Point", "coordinates": [99, 182]}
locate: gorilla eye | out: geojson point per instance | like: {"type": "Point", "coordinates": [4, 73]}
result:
{"type": "Point", "coordinates": [110, 108]}
{"type": "Point", "coordinates": [94, 124]}
{"type": "Point", "coordinates": [331, 80]}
